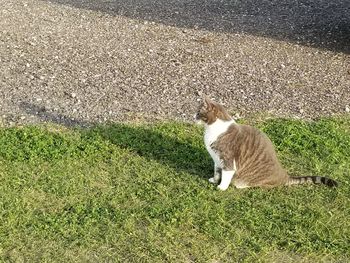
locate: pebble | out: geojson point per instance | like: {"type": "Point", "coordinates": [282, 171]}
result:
{"type": "Point", "coordinates": [134, 67]}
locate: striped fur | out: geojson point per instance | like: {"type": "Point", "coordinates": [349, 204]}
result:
{"type": "Point", "coordinates": [312, 179]}
{"type": "Point", "coordinates": [244, 151]}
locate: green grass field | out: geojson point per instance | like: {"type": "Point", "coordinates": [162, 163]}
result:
{"type": "Point", "coordinates": [139, 193]}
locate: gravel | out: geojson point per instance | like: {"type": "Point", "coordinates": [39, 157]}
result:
{"type": "Point", "coordinates": [80, 62]}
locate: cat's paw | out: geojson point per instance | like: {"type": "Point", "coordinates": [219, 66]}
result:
{"type": "Point", "coordinates": [212, 180]}
{"type": "Point", "coordinates": [222, 187]}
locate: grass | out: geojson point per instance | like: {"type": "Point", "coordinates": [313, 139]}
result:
{"type": "Point", "coordinates": [139, 193]}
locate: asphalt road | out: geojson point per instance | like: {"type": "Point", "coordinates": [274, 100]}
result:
{"type": "Point", "coordinates": [78, 62]}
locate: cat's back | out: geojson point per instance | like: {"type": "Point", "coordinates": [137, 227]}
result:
{"type": "Point", "coordinates": [251, 142]}
{"type": "Point", "coordinates": [255, 137]}
{"type": "Point", "coordinates": [258, 162]}
{"type": "Point", "coordinates": [245, 143]}
{"type": "Point", "coordinates": [239, 135]}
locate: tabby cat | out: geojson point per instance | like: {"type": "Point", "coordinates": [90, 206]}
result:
{"type": "Point", "coordinates": [242, 154]}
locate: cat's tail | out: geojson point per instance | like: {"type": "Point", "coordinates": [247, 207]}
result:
{"type": "Point", "coordinates": [311, 179]}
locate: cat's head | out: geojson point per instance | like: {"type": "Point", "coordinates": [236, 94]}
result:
{"type": "Point", "coordinates": [210, 111]}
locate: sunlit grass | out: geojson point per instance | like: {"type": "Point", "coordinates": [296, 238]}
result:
{"type": "Point", "coordinates": [139, 193]}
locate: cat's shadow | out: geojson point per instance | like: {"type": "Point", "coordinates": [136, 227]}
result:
{"type": "Point", "coordinates": [159, 142]}
{"type": "Point", "coordinates": [154, 143]}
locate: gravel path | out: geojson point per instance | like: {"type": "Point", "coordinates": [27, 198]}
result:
{"type": "Point", "coordinates": [93, 61]}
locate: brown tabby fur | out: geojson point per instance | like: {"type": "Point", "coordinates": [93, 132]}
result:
{"type": "Point", "coordinates": [251, 151]}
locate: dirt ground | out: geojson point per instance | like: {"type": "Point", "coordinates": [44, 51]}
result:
{"type": "Point", "coordinates": [79, 61]}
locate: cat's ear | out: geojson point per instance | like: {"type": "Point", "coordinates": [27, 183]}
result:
{"type": "Point", "coordinates": [207, 102]}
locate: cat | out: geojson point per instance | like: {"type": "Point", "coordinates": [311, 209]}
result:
{"type": "Point", "coordinates": [242, 154]}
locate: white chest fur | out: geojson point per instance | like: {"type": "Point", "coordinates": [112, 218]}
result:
{"type": "Point", "coordinates": [212, 132]}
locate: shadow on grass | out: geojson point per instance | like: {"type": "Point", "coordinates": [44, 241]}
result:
{"type": "Point", "coordinates": [156, 142]}
{"type": "Point", "coordinates": [163, 142]}
{"type": "Point", "coordinates": [317, 146]}
{"type": "Point", "coordinates": [320, 23]}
